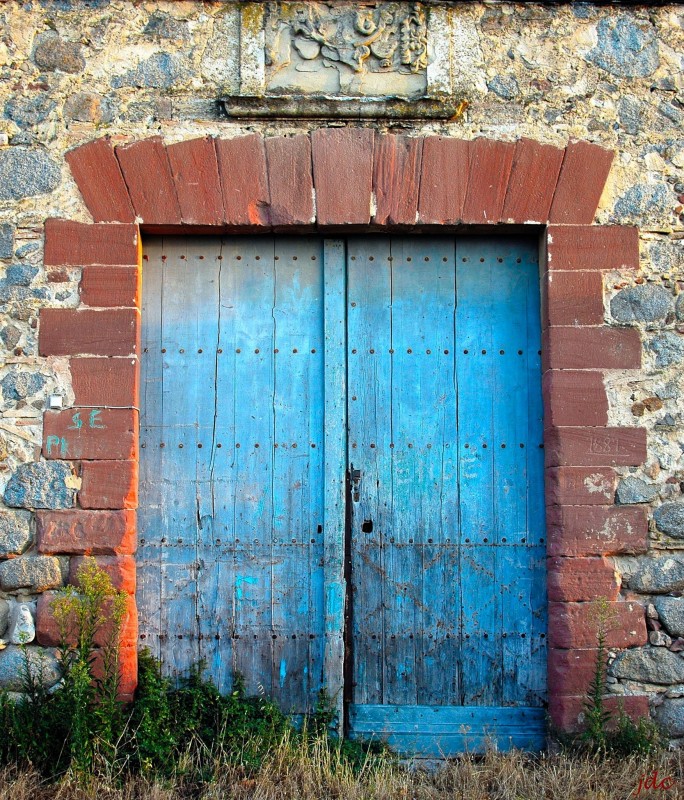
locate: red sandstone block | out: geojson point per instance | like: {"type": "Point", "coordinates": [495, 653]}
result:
{"type": "Point", "coordinates": [290, 180]}
{"type": "Point", "coordinates": [147, 173]}
{"type": "Point", "coordinates": [121, 570]}
{"type": "Point", "coordinates": [101, 332]}
{"type": "Point", "coordinates": [568, 713]}
{"type": "Point", "coordinates": [572, 298]}
{"type": "Point", "coordinates": [110, 286]}
{"type": "Point", "coordinates": [490, 167]}
{"type": "Point", "coordinates": [91, 433]}
{"type": "Point", "coordinates": [75, 244]}
{"type": "Point", "coordinates": [195, 175]}
{"type": "Point", "coordinates": [595, 447]}
{"type": "Point", "coordinates": [576, 579]}
{"type": "Point", "coordinates": [109, 484]}
{"type": "Point", "coordinates": [596, 530]}
{"type": "Point", "coordinates": [592, 247]}
{"type": "Point", "coordinates": [48, 633]}
{"type": "Point", "coordinates": [343, 174]}
{"type": "Point", "coordinates": [569, 672]}
{"type": "Point", "coordinates": [98, 176]}
{"type": "Point", "coordinates": [396, 179]}
{"type": "Point", "coordinates": [86, 532]}
{"type": "Point", "coordinates": [580, 486]}
{"type": "Point", "coordinates": [128, 671]}
{"type": "Point", "coordinates": [568, 347]}
{"type": "Point", "coordinates": [444, 180]}
{"type": "Point", "coordinates": [573, 397]}
{"type": "Point", "coordinates": [244, 184]}
{"type": "Point", "coordinates": [105, 381]}
{"type": "Point", "coordinates": [574, 625]}
{"type": "Point", "coordinates": [580, 184]}
{"type": "Point", "coordinates": [532, 181]}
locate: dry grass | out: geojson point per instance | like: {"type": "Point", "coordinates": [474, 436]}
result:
{"type": "Point", "coordinates": [294, 774]}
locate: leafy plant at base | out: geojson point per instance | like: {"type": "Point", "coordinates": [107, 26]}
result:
{"type": "Point", "coordinates": [89, 699]}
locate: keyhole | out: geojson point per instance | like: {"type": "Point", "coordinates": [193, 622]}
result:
{"type": "Point", "coordinates": [367, 526]}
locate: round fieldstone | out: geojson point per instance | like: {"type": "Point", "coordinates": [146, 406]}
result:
{"type": "Point", "coordinates": [670, 519]}
{"type": "Point", "coordinates": [634, 490]}
{"type": "Point", "coordinates": [160, 71]}
{"type": "Point", "coordinates": [643, 201]}
{"type": "Point", "coordinates": [657, 575]}
{"type": "Point", "coordinates": [505, 86]}
{"type": "Point", "coordinates": [671, 613]}
{"type": "Point", "coordinates": [10, 336]}
{"type": "Point", "coordinates": [26, 172]}
{"type": "Point", "coordinates": [42, 663]}
{"type": "Point", "coordinates": [6, 239]}
{"type": "Point", "coordinates": [40, 484]}
{"type": "Point", "coordinates": [28, 111]}
{"type": "Point", "coordinates": [649, 664]}
{"type": "Point", "coordinates": [668, 348]}
{"type": "Point", "coordinates": [19, 384]}
{"type": "Point", "coordinates": [671, 716]}
{"type": "Point", "coordinates": [625, 48]}
{"type": "Point", "coordinates": [644, 303]}
{"type": "Point", "coordinates": [4, 616]}
{"type": "Point", "coordinates": [52, 53]}
{"type": "Point", "coordinates": [22, 629]}
{"type": "Point", "coordinates": [35, 573]}
{"type": "Point", "coordinates": [89, 107]}
{"type": "Point", "coordinates": [15, 532]}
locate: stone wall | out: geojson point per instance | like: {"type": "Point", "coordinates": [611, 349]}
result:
{"type": "Point", "coordinates": [74, 71]}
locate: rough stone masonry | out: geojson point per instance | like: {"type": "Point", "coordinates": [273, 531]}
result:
{"type": "Point", "coordinates": [75, 70]}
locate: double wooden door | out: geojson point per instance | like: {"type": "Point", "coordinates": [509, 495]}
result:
{"type": "Point", "coordinates": [341, 478]}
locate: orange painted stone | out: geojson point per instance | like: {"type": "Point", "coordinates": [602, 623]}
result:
{"type": "Point", "coordinates": [595, 447]}
{"type": "Point", "coordinates": [97, 332]}
{"type": "Point", "coordinates": [86, 532]}
{"type": "Point", "coordinates": [574, 625]}
{"type": "Point", "coordinates": [574, 397]}
{"type": "Point", "coordinates": [290, 180]}
{"type": "Point", "coordinates": [109, 484]}
{"type": "Point", "coordinates": [195, 175]}
{"type": "Point", "coordinates": [76, 244]}
{"type": "Point", "coordinates": [444, 179]}
{"type": "Point", "coordinates": [396, 179]}
{"type": "Point", "coordinates": [579, 579]}
{"type": "Point", "coordinates": [147, 173]}
{"type": "Point", "coordinates": [569, 347]}
{"type": "Point", "coordinates": [48, 633]}
{"type": "Point", "coordinates": [488, 173]}
{"type": "Point", "coordinates": [343, 174]}
{"type": "Point", "coordinates": [91, 433]}
{"type": "Point", "coordinates": [596, 530]}
{"type": "Point", "coordinates": [98, 176]}
{"type": "Point", "coordinates": [105, 381]}
{"type": "Point", "coordinates": [532, 182]}
{"type": "Point", "coordinates": [110, 286]}
{"type": "Point", "coordinates": [121, 570]}
{"type": "Point", "coordinates": [580, 486]}
{"type": "Point", "coordinates": [592, 247]}
{"type": "Point", "coordinates": [582, 177]}
{"type": "Point", "coordinates": [128, 671]}
{"type": "Point", "coordinates": [573, 298]}
{"type": "Point", "coordinates": [244, 183]}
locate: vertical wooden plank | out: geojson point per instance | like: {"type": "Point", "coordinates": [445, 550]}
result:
{"type": "Point", "coordinates": [480, 595]}
{"type": "Point", "coordinates": [370, 448]}
{"type": "Point", "coordinates": [335, 465]}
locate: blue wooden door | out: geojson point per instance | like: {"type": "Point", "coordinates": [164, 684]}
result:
{"type": "Point", "coordinates": [273, 369]}
{"type": "Point", "coordinates": [448, 607]}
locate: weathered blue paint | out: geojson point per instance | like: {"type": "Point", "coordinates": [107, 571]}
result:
{"type": "Point", "coordinates": [272, 367]}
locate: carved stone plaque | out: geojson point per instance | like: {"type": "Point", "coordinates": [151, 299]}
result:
{"type": "Point", "coordinates": [347, 49]}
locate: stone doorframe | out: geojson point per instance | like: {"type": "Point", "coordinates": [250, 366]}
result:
{"type": "Point", "coordinates": [341, 180]}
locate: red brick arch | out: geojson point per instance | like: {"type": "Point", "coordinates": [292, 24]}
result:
{"type": "Point", "coordinates": [344, 179]}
